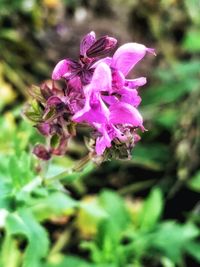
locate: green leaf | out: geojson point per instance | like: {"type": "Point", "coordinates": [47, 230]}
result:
{"type": "Point", "coordinates": [24, 224]}
{"type": "Point", "coordinates": [5, 193]}
{"type": "Point", "coordinates": [193, 10]}
{"type": "Point", "coordinates": [194, 182]}
{"type": "Point", "coordinates": [72, 261]}
{"type": "Point", "coordinates": [20, 170]}
{"type": "Point", "coordinates": [152, 210]}
{"type": "Point", "coordinates": [10, 255]}
{"type": "Point", "coordinates": [94, 210]}
{"type": "Point", "coordinates": [89, 216]}
{"type": "Point", "coordinates": [54, 142]}
{"type": "Point", "coordinates": [115, 208]}
{"type": "Point", "coordinates": [54, 205]}
{"type": "Point", "coordinates": [173, 239]}
{"type": "Point", "coordinates": [193, 248]}
{"type": "Point", "coordinates": [166, 262]}
{"type": "Point", "coordinates": [191, 41]}
{"type": "Point", "coordinates": [110, 229]}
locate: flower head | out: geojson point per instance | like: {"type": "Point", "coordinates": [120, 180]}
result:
{"type": "Point", "coordinates": [97, 93]}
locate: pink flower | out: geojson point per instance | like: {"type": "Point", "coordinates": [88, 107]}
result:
{"type": "Point", "coordinates": [96, 93]}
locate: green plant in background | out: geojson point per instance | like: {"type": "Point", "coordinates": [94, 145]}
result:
{"type": "Point", "coordinates": [121, 235]}
{"type": "Point", "coordinates": [22, 33]}
{"type": "Point", "coordinates": [191, 41]}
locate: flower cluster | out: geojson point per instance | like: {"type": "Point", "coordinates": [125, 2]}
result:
{"type": "Point", "coordinates": [97, 93]}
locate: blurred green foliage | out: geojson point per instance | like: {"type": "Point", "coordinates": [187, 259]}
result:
{"type": "Point", "coordinates": [51, 216]}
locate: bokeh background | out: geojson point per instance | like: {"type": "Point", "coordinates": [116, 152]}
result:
{"type": "Point", "coordinates": [142, 212]}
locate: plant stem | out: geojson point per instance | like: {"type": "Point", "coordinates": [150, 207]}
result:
{"type": "Point", "coordinates": [78, 167]}
{"type": "Point", "coordinates": [60, 243]}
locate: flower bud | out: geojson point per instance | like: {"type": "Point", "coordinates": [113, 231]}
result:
{"type": "Point", "coordinates": [101, 47]}
{"type": "Point", "coordinates": [41, 152]}
{"type": "Point", "coordinates": [44, 128]}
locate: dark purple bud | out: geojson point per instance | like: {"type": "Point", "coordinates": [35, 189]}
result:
{"type": "Point", "coordinates": [53, 101]}
{"type": "Point", "coordinates": [41, 152]}
{"type": "Point", "coordinates": [44, 128]}
{"type": "Point", "coordinates": [101, 47]}
{"type": "Point", "coordinates": [87, 41]}
{"type": "Point", "coordinates": [56, 129]}
{"type": "Point", "coordinates": [56, 102]}
{"type": "Point", "coordinates": [46, 91]}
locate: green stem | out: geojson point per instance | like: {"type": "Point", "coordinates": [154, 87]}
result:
{"type": "Point", "coordinates": [78, 167]}
{"type": "Point", "coordinates": [60, 243]}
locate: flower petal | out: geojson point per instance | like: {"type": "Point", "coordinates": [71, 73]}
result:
{"type": "Point", "coordinates": [123, 113]}
{"type": "Point", "coordinates": [128, 55]}
{"type": "Point", "coordinates": [87, 41]}
{"type": "Point", "coordinates": [110, 99]}
{"type": "Point", "coordinates": [74, 84]}
{"type": "Point", "coordinates": [109, 133]}
{"type": "Point", "coordinates": [118, 80]}
{"type": "Point", "coordinates": [130, 96]}
{"type": "Point", "coordinates": [100, 145]}
{"type": "Point", "coordinates": [44, 128]}
{"type": "Point", "coordinates": [65, 68]}
{"type": "Point", "coordinates": [106, 60]}
{"type": "Point", "coordinates": [103, 141]}
{"type": "Point", "coordinates": [134, 83]}
{"type": "Point", "coordinates": [94, 110]}
{"type": "Point", "coordinates": [102, 79]}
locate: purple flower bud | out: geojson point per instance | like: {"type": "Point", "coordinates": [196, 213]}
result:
{"type": "Point", "coordinates": [54, 101]}
{"type": "Point", "coordinates": [44, 128]}
{"type": "Point", "coordinates": [46, 91]}
{"type": "Point", "coordinates": [41, 152]}
{"type": "Point", "coordinates": [101, 47]}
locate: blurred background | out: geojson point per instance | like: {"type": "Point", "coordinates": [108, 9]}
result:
{"type": "Point", "coordinates": [142, 212]}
